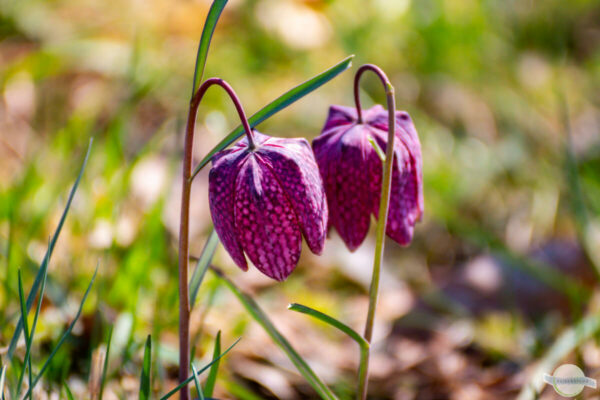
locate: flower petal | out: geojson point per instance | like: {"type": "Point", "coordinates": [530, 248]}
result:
{"type": "Point", "coordinates": [407, 133]}
{"type": "Point", "coordinates": [339, 115]}
{"type": "Point", "coordinates": [376, 116]}
{"type": "Point", "coordinates": [265, 221]}
{"type": "Point", "coordinates": [375, 168]}
{"type": "Point", "coordinates": [406, 195]}
{"type": "Point", "coordinates": [294, 166]}
{"type": "Point", "coordinates": [343, 162]}
{"type": "Point", "coordinates": [221, 196]}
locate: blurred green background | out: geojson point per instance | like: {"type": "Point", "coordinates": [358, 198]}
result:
{"type": "Point", "coordinates": [506, 98]}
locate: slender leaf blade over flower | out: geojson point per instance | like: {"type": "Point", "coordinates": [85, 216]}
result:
{"type": "Point", "coordinates": [289, 97]}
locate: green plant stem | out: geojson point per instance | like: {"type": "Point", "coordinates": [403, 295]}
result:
{"type": "Point", "coordinates": [184, 224]}
{"type": "Point", "coordinates": [363, 373]}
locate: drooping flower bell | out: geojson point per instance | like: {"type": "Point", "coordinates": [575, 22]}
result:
{"type": "Point", "coordinates": [264, 196]}
{"type": "Point", "coordinates": [352, 172]}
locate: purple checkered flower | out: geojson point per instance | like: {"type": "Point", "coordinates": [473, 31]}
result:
{"type": "Point", "coordinates": [352, 170]}
{"type": "Point", "coordinates": [263, 200]}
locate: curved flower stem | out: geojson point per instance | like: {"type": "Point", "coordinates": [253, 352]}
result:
{"type": "Point", "coordinates": [363, 371]}
{"type": "Point", "coordinates": [184, 222]}
{"type": "Point", "coordinates": [384, 80]}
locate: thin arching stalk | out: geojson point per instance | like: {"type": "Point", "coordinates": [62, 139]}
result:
{"type": "Point", "coordinates": [363, 372]}
{"type": "Point", "coordinates": [184, 222]}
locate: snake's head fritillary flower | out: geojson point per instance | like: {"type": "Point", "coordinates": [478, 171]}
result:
{"type": "Point", "coordinates": [264, 199]}
{"type": "Point", "coordinates": [352, 173]}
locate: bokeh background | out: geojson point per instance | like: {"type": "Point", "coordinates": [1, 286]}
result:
{"type": "Point", "coordinates": [506, 98]}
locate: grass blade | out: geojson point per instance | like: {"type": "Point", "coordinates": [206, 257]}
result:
{"type": "Point", "coordinates": [145, 378]}
{"type": "Point", "coordinates": [259, 315]}
{"type": "Point", "coordinates": [562, 347]}
{"type": "Point", "coordinates": [197, 382]}
{"type": "Point", "coordinates": [68, 391]}
{"type": "Point", "coordinates": [26, 360]}
{"type": "Point", "coordinates": [209, 387]}
{"type": "Point", "coordinates": [208, 252]}
{"type": "Point", "coordinates": [2, 380]}
{"type": "Point", "coordinates": [65, 335]}
{"type": "Point", "coordinates": [209, 27]}
{"type": "Point", "coordinates": [277, 105]}
{"type": "Point", "coordinates": [378, 150]}
{"type": "Point", "coordinates": [207, 366]}
{"type": "Point", "coordinates": [29, 340]}
{"type": "Point", "coordinates": [105, 366]}
{"type": "Point", "coordinates": [44, 266]}
{"type": "Point", "coordinates": [331, 321]}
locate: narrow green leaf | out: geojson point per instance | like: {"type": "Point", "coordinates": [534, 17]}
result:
{"type": "Point", "coordinates": [68, 391]}
{"type": "Point", "coordinates": [209, 27]}
{"type": "Point", "coordinates": [22, 303]}
{"type": "Point", "coordinates": [331, 321]}
{"type": "Point", "coordinates": [145, 378]}
{"type": "Point", "coordinates": [259, 316]}
{"type": "Point", "coordinates": [209, 387]}
{"type": "Point", "coordinates": [27, 359]}
{"type": "Point", "coordinates": [566, 343]}
{"type": "Point", "coordinates": [378, 149]}
{"type": "Point", "coordinates": [29, 340]}
{"type": "Point", "coordinates": [197, 382]}
{"type": "Point", "coordinates": [207, 366]}
{"type": "Point", "coordinates": [65, 335]}
{"type": "Point", "coordinates": [277, 105]}
{"type": "Point", "coordinates": [2, 380]}
{"type": "Point", "coordinates": [208, 252]}
{"type": "Point", "coordinates": [44, 266]}
{"type": "Point", "coordinates": [105, 366]}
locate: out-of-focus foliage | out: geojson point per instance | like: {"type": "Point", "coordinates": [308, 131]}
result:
{"type": "Point", "coordinates": [464, 311]}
